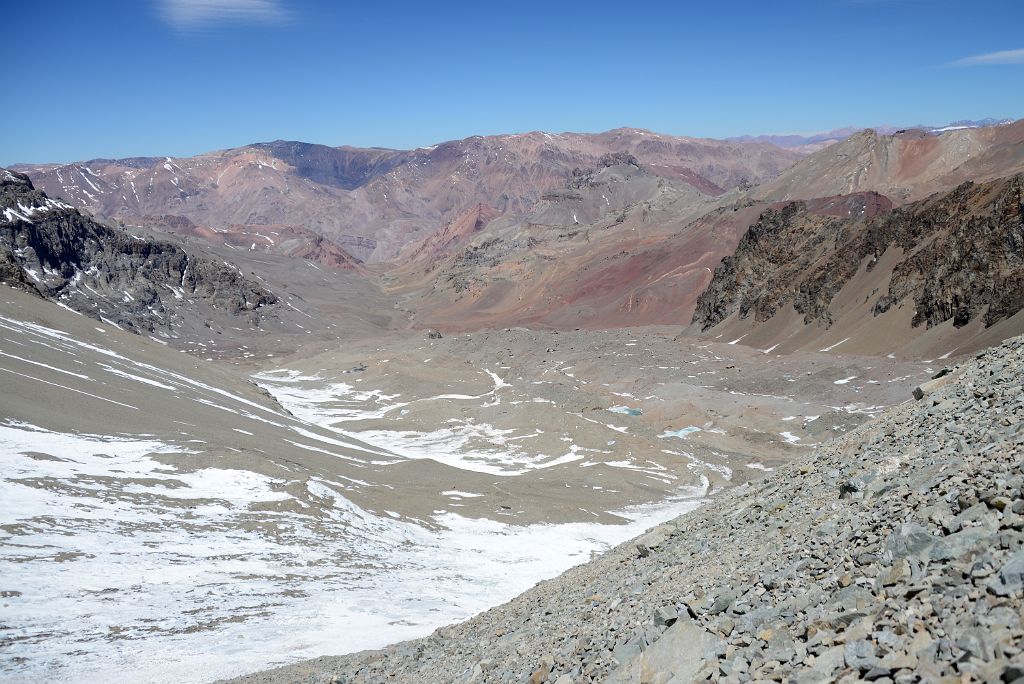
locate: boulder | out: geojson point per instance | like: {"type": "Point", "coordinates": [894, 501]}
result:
{"type": "Point", "coordinates": [680, 653]}
{"type": "Point", "coordinates": [1010, 578]}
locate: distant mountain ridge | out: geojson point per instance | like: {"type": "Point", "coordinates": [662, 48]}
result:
{"type": "Point", "coordinates": [614, 245]}
{"type": "Point", "coordinates": [372, 202]}
{"type": "Point", "coordinates": [905, 166]}
{"type": "Point", "coordinates": [814, 141]}
{"type": "Point", "coordinates": [616, 229]}
{"type": "Point", "coordinates": [617, 244]}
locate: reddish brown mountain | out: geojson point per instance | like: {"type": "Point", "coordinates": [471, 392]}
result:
{"type": "Point", "coordinates": [451, 236]}
{"type": "Point", "coordinates": [905, 166]}
{"type": "Point", "coordinates": [620, 228]}
{"type": "Point", "coordinates": [280, 239]}
{"type": "Point", "coordinates": [620, 245]}
{"type": "Point", "coordinates": [616, 245]}
{"type": "Point", "coordinates": [373, 202]}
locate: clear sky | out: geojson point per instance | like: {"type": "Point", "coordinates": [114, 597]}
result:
{"type": "Point", "coordinates": [114, 78]}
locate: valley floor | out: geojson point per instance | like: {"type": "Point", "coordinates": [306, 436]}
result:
{"type": "Point", "coordinates": [890, 554]}
{"type": "Point", "coordinates": [185, 521]}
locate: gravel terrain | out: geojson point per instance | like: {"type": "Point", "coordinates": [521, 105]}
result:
{"type": "Point", "coordinates": [891, 553]}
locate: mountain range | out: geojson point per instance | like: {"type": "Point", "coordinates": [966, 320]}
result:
{"type": "Point", "coordinates": [372, 202]}
{"type": "Point", "coordinates": [621, 228]}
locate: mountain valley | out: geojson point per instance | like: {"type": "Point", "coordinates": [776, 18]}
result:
{"type": "Point", "coordinates": [289, 400]}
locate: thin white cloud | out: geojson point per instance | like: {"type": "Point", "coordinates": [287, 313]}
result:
{"type": "Point", "coordinates": [194, 15]}
{"type": "Point", "coordinates": [1002, 57]}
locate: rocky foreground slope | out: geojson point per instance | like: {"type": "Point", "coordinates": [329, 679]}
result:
{"type": "Point", "coordinates": [893, 554]}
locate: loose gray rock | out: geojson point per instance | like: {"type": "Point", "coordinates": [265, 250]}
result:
{"type": "Point", "coordinates": [1010, 579]}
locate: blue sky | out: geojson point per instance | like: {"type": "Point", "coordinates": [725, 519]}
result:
{"type": "Point", "coordinates": [178, 77]}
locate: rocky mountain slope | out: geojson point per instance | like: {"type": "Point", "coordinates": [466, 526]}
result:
{"type": "Point", "coordinates": [893, 553]}
{"type": "Point", "coordinates": [150, 287]}
{"type": "Point", "coordinates": [905, 166]}
{"type": "Point", "coordinates": [615, 245]}
{"type": "Point", "coordinates": [619, 244]}
{"type": "Point", "coordinates": [372, 202]}
{"type": "Point", "coordinates": [292, 241]}
{"type": "Point", "coordinates": [533, 229]}
{"type": "Point", "coordinates": [956, 257]}
{"type": "Point", "coordinates": [449, 238]}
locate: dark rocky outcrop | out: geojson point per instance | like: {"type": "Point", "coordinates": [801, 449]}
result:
{"type": "Point", "coordinates": [622, 164]}
{"type": "Point", "coordinates": [50, 248]}
{"type": "Point", "coordinates": [961, 255]}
